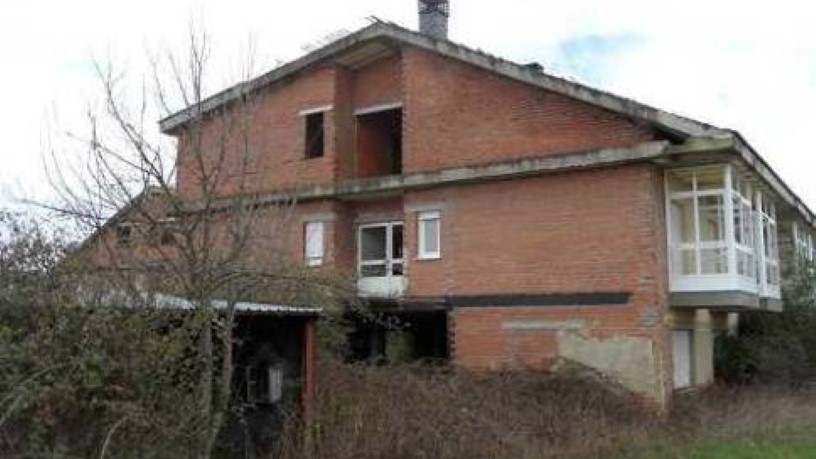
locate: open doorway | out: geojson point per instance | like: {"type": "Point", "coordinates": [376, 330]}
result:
{"type": "Point", "coordinates": [400, 337]}
{"type": "Point", "coordinates": [379, 143]}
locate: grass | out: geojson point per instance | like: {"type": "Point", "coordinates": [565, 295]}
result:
{"type": "Point", "coordinates": [750, 450]}
{"type": "Point", "coordinates": [784, 447]}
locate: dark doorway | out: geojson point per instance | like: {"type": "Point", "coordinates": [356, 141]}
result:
{"type": "Point", "coordinates": [379, 143]}
{"type": "Point", "coordinates": [400, 337]}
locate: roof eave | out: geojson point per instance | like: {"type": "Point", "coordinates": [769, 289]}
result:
{"type": "Point", "coordinates": [668, 122]}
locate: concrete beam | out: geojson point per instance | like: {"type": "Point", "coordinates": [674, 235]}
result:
{"type": "Point", "coordinates": [716, 301]}
{"type": "Point", "coordinates": [394, 184]}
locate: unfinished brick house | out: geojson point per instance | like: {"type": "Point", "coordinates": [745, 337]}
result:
{"type": "Point", "coordinates": [511, 218]}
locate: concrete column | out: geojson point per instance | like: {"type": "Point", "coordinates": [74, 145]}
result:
{"type": "Point", "coordinates": [703, 348]}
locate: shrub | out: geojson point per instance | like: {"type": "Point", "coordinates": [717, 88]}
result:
{"type": "Point", "coordinates": [433, 411]}
{"type": "Point", "coordinates": [775, 347]}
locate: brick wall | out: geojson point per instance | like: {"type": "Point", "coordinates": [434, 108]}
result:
{"type": "Point", "coordinates": [378, 83]}
{"type": "Point", "coordinates": [457, 115]}
{"type": "Point", "coordinates": [262, 142]}
{"type": "Point", "coordinates": [579, 232]}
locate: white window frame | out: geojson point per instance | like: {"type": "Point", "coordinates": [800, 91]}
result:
{"type": "Point", "coordinates": [759, 210]}
{"type": "Point", "coordinates": [698, 246]}
{"type": "Point", "coordinates": [388, 261]}
{"type": "Point", "coordinates": [422, 250]}
{"type": "Point", "coordinates": [768, 254]}
{"type": "Point", "coordinates": [314, 242]}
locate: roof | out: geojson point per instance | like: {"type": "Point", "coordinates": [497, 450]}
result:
{"type": "Point", "coordinates": [176, 302]}
{"type": "Point", "coordinates": [675, 126]}
{"type": "Point", "coordinates": [172, 302]}
{"type": "Point", "coordinates": [379, 31]}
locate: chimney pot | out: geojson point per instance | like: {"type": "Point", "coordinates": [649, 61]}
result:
{"type": "Point", "coordinates": [433, 18]}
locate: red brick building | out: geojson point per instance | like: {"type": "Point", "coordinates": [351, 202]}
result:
{"type": "Point", "coordinates": [513, 218]}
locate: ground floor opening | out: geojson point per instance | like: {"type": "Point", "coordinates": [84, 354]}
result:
{"type": "Point", "coordinates": [399, 337]}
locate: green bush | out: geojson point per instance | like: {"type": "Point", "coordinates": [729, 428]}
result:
{"type": "Point", "coordinates": [775, 347]}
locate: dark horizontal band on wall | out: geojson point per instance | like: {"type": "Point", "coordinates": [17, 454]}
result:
{"type": "Point", "coordinates": [508, 300]}
{"type": "Point", "coordinates": [545, 299]}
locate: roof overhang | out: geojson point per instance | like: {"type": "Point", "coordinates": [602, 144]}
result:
{"type": "Point", "coordinates": [381, 38]}
{"type": "Point", "coordinates": [693, 138]}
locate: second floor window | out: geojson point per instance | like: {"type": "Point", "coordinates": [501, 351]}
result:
{"type": "Point", "coordinates": [313, 243]}
{"type": "Point", "coordinates": [314, 135]}
{"type": "Point", "coordinates": [429, 235]}
{"type": "Point", "coordinates": [722, 231]}
{"type": "Point", "coordinates": [124, 234]}
{"type": "Point", "coordinates": [804, 242]}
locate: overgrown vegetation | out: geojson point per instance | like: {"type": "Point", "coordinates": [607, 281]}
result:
{"type": "Point", "coordinates": [776, 347]}
{"type": "Point", "coordinates": [421, 412]}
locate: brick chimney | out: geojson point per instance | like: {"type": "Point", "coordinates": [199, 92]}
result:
{"type": "Point", "coordinates": [433, 18]}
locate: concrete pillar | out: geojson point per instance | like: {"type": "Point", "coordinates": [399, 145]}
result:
{"type": "Point", "coordinates": [703, 348]}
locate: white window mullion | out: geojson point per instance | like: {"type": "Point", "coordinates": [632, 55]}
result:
{"type": "Point", "coordinates": [672, 258]}
{"type": "Point", "coordinates": [389, 249]}
{"type": "Point", "coordinates": [759, 246]}
{"type": "Point", "coordinates": [698, 253]}
{"type": "Point", "coordinates": [731, 245]}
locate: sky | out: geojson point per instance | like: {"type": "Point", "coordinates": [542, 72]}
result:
{"type": "Point", "coordinates": [749, 66]}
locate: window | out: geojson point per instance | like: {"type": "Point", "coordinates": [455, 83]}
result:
{"type": "Point", "coordinates": [770, 244]}
{"type": "Point", "coordinates": [698, 221]}
{"type": "Point", "coordinates": [804, 243]}
{"type": "Point", "coordinates": [313, 243]}
{"type": "Point", "coordinates": [124, 234]}
{"type": "Point", "coordinates": [381, 250]}
{"type": "Point", "coordinates": [314, 135]}
{"type": "Point", "coordinates": [163, 232]}
{"type": "Point", "coordinates": [264, 383]}
{"type": "Point", "coordinates": [429, 235]}
{"type": "Point", "coordinates": [722, 231]}
{"type": "Point", "coordinates": [743, 227]}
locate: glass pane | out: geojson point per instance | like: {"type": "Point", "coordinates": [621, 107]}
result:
{"type": "Point", "coordinates": [687, 261]}
{"type": "Point", "coordinates": [683, 220]}
{"type": "Point", "coordinates": [430, 229]}
{"type": "Point", "coordinates": [741, 186]}
{"type": "Point", "coordinates": [373, 270]}
{"type": "Point", "coordinates": [745, 264]}
{"type": "Point", "coordinates": [710, 178]}
{"type": "Point", "coordinates": [373, 243]}
{"type": "Point", "coordinates": [681, 180]}
{"type": "Point", "coordinates": [739, 227]}
{"type": "Point", "coordinates": [712, 218]}
{"type": "Point", "coordinates": [314, 240]}
{"type": "Point", "coordinates": [397, 269]}
{"type": "Point", "coordinates": [713, 261]}
{"type": "Point", "coordinates": [748, 225]}
{"type": "Point", "coordinates": [772, 272]}
{"type": "Point", "coordinates": [769, 234]}
{"type": "Point", "coordinates": [396, 242]}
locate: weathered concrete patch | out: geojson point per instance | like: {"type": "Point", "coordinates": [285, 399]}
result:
{"type": "Point", "coordinates": [627, 360]}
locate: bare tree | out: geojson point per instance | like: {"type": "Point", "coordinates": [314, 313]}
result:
{"type": "Point", "coordinates": [187, 226]}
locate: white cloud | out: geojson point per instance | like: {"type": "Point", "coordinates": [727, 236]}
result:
{"type": "Point", "coordinates": [745, 65]}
